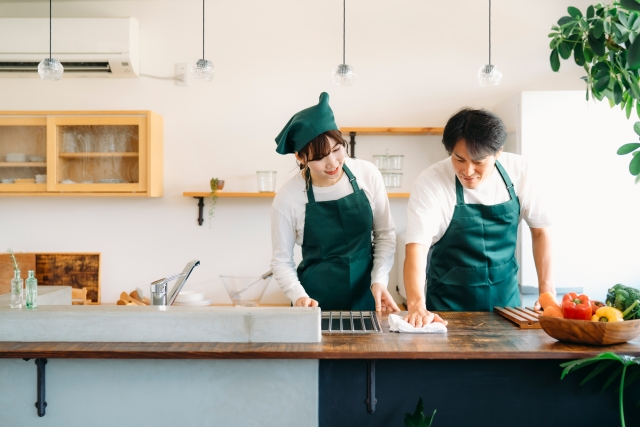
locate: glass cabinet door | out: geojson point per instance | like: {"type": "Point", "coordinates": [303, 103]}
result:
{"type": "Point", "coordinates": [97, 154]}
{"type": "Point", "coordinates": [23, 150]}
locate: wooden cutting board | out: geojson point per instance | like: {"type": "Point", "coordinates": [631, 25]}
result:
{"type": "Point", "coordinates": [525, 318]}
{"type": "Point", "coordinates": [78, 270]}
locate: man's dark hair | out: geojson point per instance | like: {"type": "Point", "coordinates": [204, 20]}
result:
{"type": "Point", "coordinates": [483, 132]}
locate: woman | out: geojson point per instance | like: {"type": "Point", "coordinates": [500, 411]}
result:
{"type": "Point", "coordinates": [337, 209]}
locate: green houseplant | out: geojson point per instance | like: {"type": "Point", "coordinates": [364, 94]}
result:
{"type": "Point", "coordinates": [605, 42]}
{"type": "Point", "coordinates": [215, 184]}
{"type": "Point", "coordinates": [622, 364]}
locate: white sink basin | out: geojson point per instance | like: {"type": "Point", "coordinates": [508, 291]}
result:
{"type": "Point", "coordinates": [160, 324]}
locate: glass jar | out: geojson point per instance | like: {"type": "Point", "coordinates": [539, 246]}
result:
{"type": "Point", "coordinates": [266, 181]}
{"type": "Point", "coordinates": [381, 161]}
{"type": "Point", "coordinates": [32, 291]}
{"type": "Point", "coordinates": [396, 161]}
{"type": "Point", "coordinates": [16, 290]}
{"type": "Point", "coordinates": [396, 178]}
{"type": "Point", "coordinates": [388, 179]}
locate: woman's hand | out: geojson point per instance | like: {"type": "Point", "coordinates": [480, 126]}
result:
{"type": "Point", "coordinates": [384, 301]}
{"type": "Point", "coordinates": [305, 302]}
{"type": "Point", "coordinates": [421, 317]}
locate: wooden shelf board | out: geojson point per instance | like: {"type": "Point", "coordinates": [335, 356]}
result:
{"type": "Point", "coordinates": [83, 155]}
{"type": "Point", "coordinates": [391, 131]}
{"type": "Point", "coordinates": [229, 194]}
{"type": "Point", "coordinates": [266, 195]}
{"type": "Point", "coordinates": [23, 164]}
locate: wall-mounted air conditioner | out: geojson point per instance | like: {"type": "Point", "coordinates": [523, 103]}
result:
{"type": "Point", "coordinates": [86, 47]}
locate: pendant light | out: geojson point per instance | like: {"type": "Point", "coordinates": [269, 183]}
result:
{"type": "Point", "coordinates": [203, 69]}
{"type": "Point", "coordinates": [50, 68]}
{"type": "Point", "coordinates": [489, 75]}
{"type": "Point", "coordinates": [343, 74]}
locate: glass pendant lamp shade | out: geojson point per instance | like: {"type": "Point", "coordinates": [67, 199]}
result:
{"type": "Point", "coordinates": [50, 69]}
{"type": "Point", "coordinates": [203, 70]}
{"type": "Point", "coordinates": [489, 75]}
{"type": "Point", "coordinates": [344, 75]}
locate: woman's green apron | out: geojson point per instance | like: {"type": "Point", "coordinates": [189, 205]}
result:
{"type": "Point", "coordinates": [473, 266]}
{"type": "Point", "coordinates": [337, 255]}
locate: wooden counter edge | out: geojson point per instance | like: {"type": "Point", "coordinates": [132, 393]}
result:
{"type": "Point", "coordinates": [303, 351]}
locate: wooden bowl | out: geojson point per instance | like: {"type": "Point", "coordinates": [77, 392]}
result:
{"type": "Point", "coordinates": [587, 332]}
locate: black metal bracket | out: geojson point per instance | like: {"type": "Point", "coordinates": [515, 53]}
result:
{"type": "Point", "coordinates": [352, 142]}
{"type": "Point", "coordinates": [41, 404]}
{"type": "Point", "coordinates": [371, 386]}
{"type": "Point", "coordinates": [200, 209]}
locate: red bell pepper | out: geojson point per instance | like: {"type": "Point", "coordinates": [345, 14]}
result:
{"type": "Point", "coordinates": [576, 307]}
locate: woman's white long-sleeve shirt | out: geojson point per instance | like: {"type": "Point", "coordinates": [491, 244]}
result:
{"type": "Point", "coordinates": [288, 215]}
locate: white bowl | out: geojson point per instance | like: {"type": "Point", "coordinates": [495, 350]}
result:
{"type": "Point", "coordinates": [16, 157]}
{"type": "Point", "coordinates": [37, 158]}
{"type": "Point", "coordinates": [190, 296]}
{"type": "Point", "coordinates": [193, 303]}
{"type": "Point", "coordinates": [7, 180]}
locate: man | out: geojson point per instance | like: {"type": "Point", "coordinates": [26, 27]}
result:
{"type": "Point", "coordinates": [463, 217]}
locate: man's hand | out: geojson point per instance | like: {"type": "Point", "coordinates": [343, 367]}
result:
{"type": "Point", "coordinates": [384, 301]}
{"type": "Point", "coordinates": [305, 302]}
{"type": "Point", "coordinates": [421, 317]}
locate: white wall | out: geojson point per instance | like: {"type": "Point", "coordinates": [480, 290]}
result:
{"type": "Point", "coordinates": [591, 195]}
{"type": "Point", "coordinates": [416, 60]}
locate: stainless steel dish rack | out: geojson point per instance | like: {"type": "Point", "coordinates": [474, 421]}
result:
{"type": "Point", "coordinates": [350, 322]}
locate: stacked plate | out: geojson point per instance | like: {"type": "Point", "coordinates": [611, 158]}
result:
{"type": "Point", "coordinates": [41, 179]}
{"type": "Point", "coordinates": [191, 298]}
{"type": "Point", "coordinates": [16, 157]}
{"type": "Point", "coordinates": [37, 158]}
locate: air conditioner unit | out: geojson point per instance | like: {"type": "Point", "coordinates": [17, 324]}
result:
{"type": "Point", "coordinates": [86, 47]}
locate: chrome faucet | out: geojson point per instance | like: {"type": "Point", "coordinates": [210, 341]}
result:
{"type": "Point", "coordinates": [159, 295]}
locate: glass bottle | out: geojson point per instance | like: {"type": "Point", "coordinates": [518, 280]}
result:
{"type": "Point", "coordinates": [16, 290]}
{"type": "Point", "coordinates": [32, 291]}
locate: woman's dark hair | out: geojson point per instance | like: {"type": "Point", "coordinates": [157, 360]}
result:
{"type": "Point", "coordinates": [483, 132]}
{"type": "Point", "coordinates": [320, 147]}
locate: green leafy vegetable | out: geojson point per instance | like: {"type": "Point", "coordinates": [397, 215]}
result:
{"type": "Point", "coordinates": [624, 297]}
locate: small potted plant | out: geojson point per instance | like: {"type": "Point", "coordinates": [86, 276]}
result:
{"type": "Point", "coordinates": [215, 184]}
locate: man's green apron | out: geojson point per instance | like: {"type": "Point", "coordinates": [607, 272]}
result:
{"type": "Point", "coordinates": [473, 266]}
{"type": "Point", "coordinates": [337, 254]}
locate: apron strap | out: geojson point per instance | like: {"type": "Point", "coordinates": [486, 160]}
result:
{"type": "Point", "coordinates": [507, 180]}
{"type": "Point", "coordinates": [310, 197]}
{"type": "Point", "coordinates": [352, 179]}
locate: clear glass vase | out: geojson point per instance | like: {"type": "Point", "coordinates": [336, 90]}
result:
{"type": "Point", "coordinates": [16, 290]}
{"type": "Point", "coordinates": [32, 291]}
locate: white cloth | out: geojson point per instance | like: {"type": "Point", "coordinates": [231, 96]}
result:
{"type": "Point", "coordinates": [398, 324]}
{"type": "Point", "coordinates": [433, 197]}
{"type": "Point", "coordinates": [287, 223]}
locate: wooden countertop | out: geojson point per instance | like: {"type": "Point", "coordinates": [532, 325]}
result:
{"type": "Point", "coordinates": [470, 336]}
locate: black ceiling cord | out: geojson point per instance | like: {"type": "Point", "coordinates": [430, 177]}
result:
{"type": "Point", "coordinates": [203, 29]}
{"type": "Point", "coordinates": [49, 29]}
{"type": "Point", "coordinates": [344, 33]}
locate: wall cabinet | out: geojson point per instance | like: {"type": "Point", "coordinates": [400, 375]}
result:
{"type": "Point", "coordinates": [81, 153]}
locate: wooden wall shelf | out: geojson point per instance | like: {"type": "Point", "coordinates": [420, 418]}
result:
{"type": "Point", "coordinates": [392, 131]}
{"type": "Point", "coordinates": [353, 131]}
{"type": "Point", "coordinates": [201, 195]}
